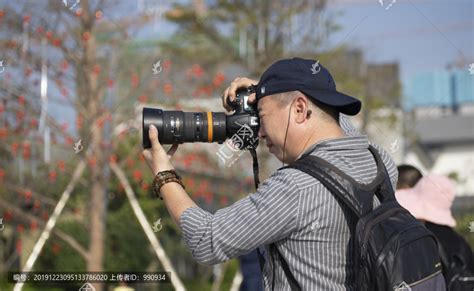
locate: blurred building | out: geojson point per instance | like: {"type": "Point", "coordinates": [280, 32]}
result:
{"type": "Point", "coordinates": [444, 89]}
{"type": "Point", "coordinates": [439, 126]}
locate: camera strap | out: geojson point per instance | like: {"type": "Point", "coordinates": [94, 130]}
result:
{"type": "Point", "coordinates": [256, 180]}
{"type": "Point", "coordinates": [253, 152]}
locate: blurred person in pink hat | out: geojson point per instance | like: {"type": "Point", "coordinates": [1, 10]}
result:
{"type": "Point", "coordinates": [429, 199]}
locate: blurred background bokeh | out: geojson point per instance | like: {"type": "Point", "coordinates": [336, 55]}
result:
{"type": "Point", "coordinates": [75, 75]}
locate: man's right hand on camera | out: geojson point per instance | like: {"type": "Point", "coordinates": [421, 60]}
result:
{"type": "Point", "coordinates": [238, 83]}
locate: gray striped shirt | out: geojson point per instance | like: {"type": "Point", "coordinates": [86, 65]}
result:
{"type": "Point", "coordinates": [294, 210]}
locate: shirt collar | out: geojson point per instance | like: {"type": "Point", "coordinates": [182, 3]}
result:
{"type": "Point", "coordinates": [342, 143]}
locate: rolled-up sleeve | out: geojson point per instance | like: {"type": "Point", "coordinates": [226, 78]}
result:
{"type": "Point", "coordinates": [263, 217]}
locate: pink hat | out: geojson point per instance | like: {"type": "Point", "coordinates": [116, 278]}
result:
{"type": "Point", "coordinates": [430, 199]}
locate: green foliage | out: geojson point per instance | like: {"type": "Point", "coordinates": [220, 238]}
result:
{"type": "Point", "coordinates": [127, 246]}
{"type": "Point", "coordinates": [247, 33]}
{"type": "Point", "coordinates": [463, 223]}
{"type": "Point", "coordinates": [59, 256]}
{"type": "Point", "coordinates": [230, 271]}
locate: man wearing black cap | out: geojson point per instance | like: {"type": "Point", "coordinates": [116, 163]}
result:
{"type": "Point", "coordinates": [301, 112]}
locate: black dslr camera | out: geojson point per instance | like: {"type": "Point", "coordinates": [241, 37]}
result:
{"type": "Point", "coordinates": [177, 127]}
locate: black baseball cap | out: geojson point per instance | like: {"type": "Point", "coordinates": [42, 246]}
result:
{"type": "Point", "coordinates": [308, 77]}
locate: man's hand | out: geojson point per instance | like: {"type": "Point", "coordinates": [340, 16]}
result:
{"type": "Point", "coordinates": [157, 158]}
{"type": "Point", "coordinates": [175, 198]}
{"type": "Point", "coordinates": [238, 83]}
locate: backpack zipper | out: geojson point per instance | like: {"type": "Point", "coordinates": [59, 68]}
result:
{"type": "Point", "coordinates": [426, 278]}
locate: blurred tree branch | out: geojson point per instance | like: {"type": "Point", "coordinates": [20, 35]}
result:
{"type": "Point", "coordinates": [62, 235]}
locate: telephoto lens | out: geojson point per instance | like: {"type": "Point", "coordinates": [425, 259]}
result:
{"type": "Point", "coordinates": [177, 127]}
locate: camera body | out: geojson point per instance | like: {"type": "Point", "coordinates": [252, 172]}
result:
{"type": "Point", "coordinates": [177, 127]}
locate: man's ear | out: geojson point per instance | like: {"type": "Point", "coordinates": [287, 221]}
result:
{"type": "Point", "coordinates": [302, 111]}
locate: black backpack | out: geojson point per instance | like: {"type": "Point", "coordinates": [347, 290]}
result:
{"type": "Point", "coordinates": [394, 251]}
{"type": "Point", "coordinates": [457, 273]}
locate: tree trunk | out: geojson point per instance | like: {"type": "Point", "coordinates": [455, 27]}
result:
{"type": "Point", "coordinates": [91, 98]}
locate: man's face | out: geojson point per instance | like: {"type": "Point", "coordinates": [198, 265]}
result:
{"type": "Point", "coordinates": [273, 124]}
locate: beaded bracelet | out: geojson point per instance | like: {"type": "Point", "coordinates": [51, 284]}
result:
{"type": "Point", "coordinates": [164, 177]}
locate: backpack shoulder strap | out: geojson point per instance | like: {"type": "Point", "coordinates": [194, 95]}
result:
{"type": "Point", "coordinates": [289, 276]}
{"type": "Point", "coordinates": [357, 196]}
{"type": "Point", "coordinates": [445, 261]}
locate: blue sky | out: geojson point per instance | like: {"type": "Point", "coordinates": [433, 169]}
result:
{"type": "Point", "coordinates": [421, 35]}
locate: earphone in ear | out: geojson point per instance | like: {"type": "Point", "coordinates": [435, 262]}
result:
{"type": "Point", "coordinates": [308, 113]}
